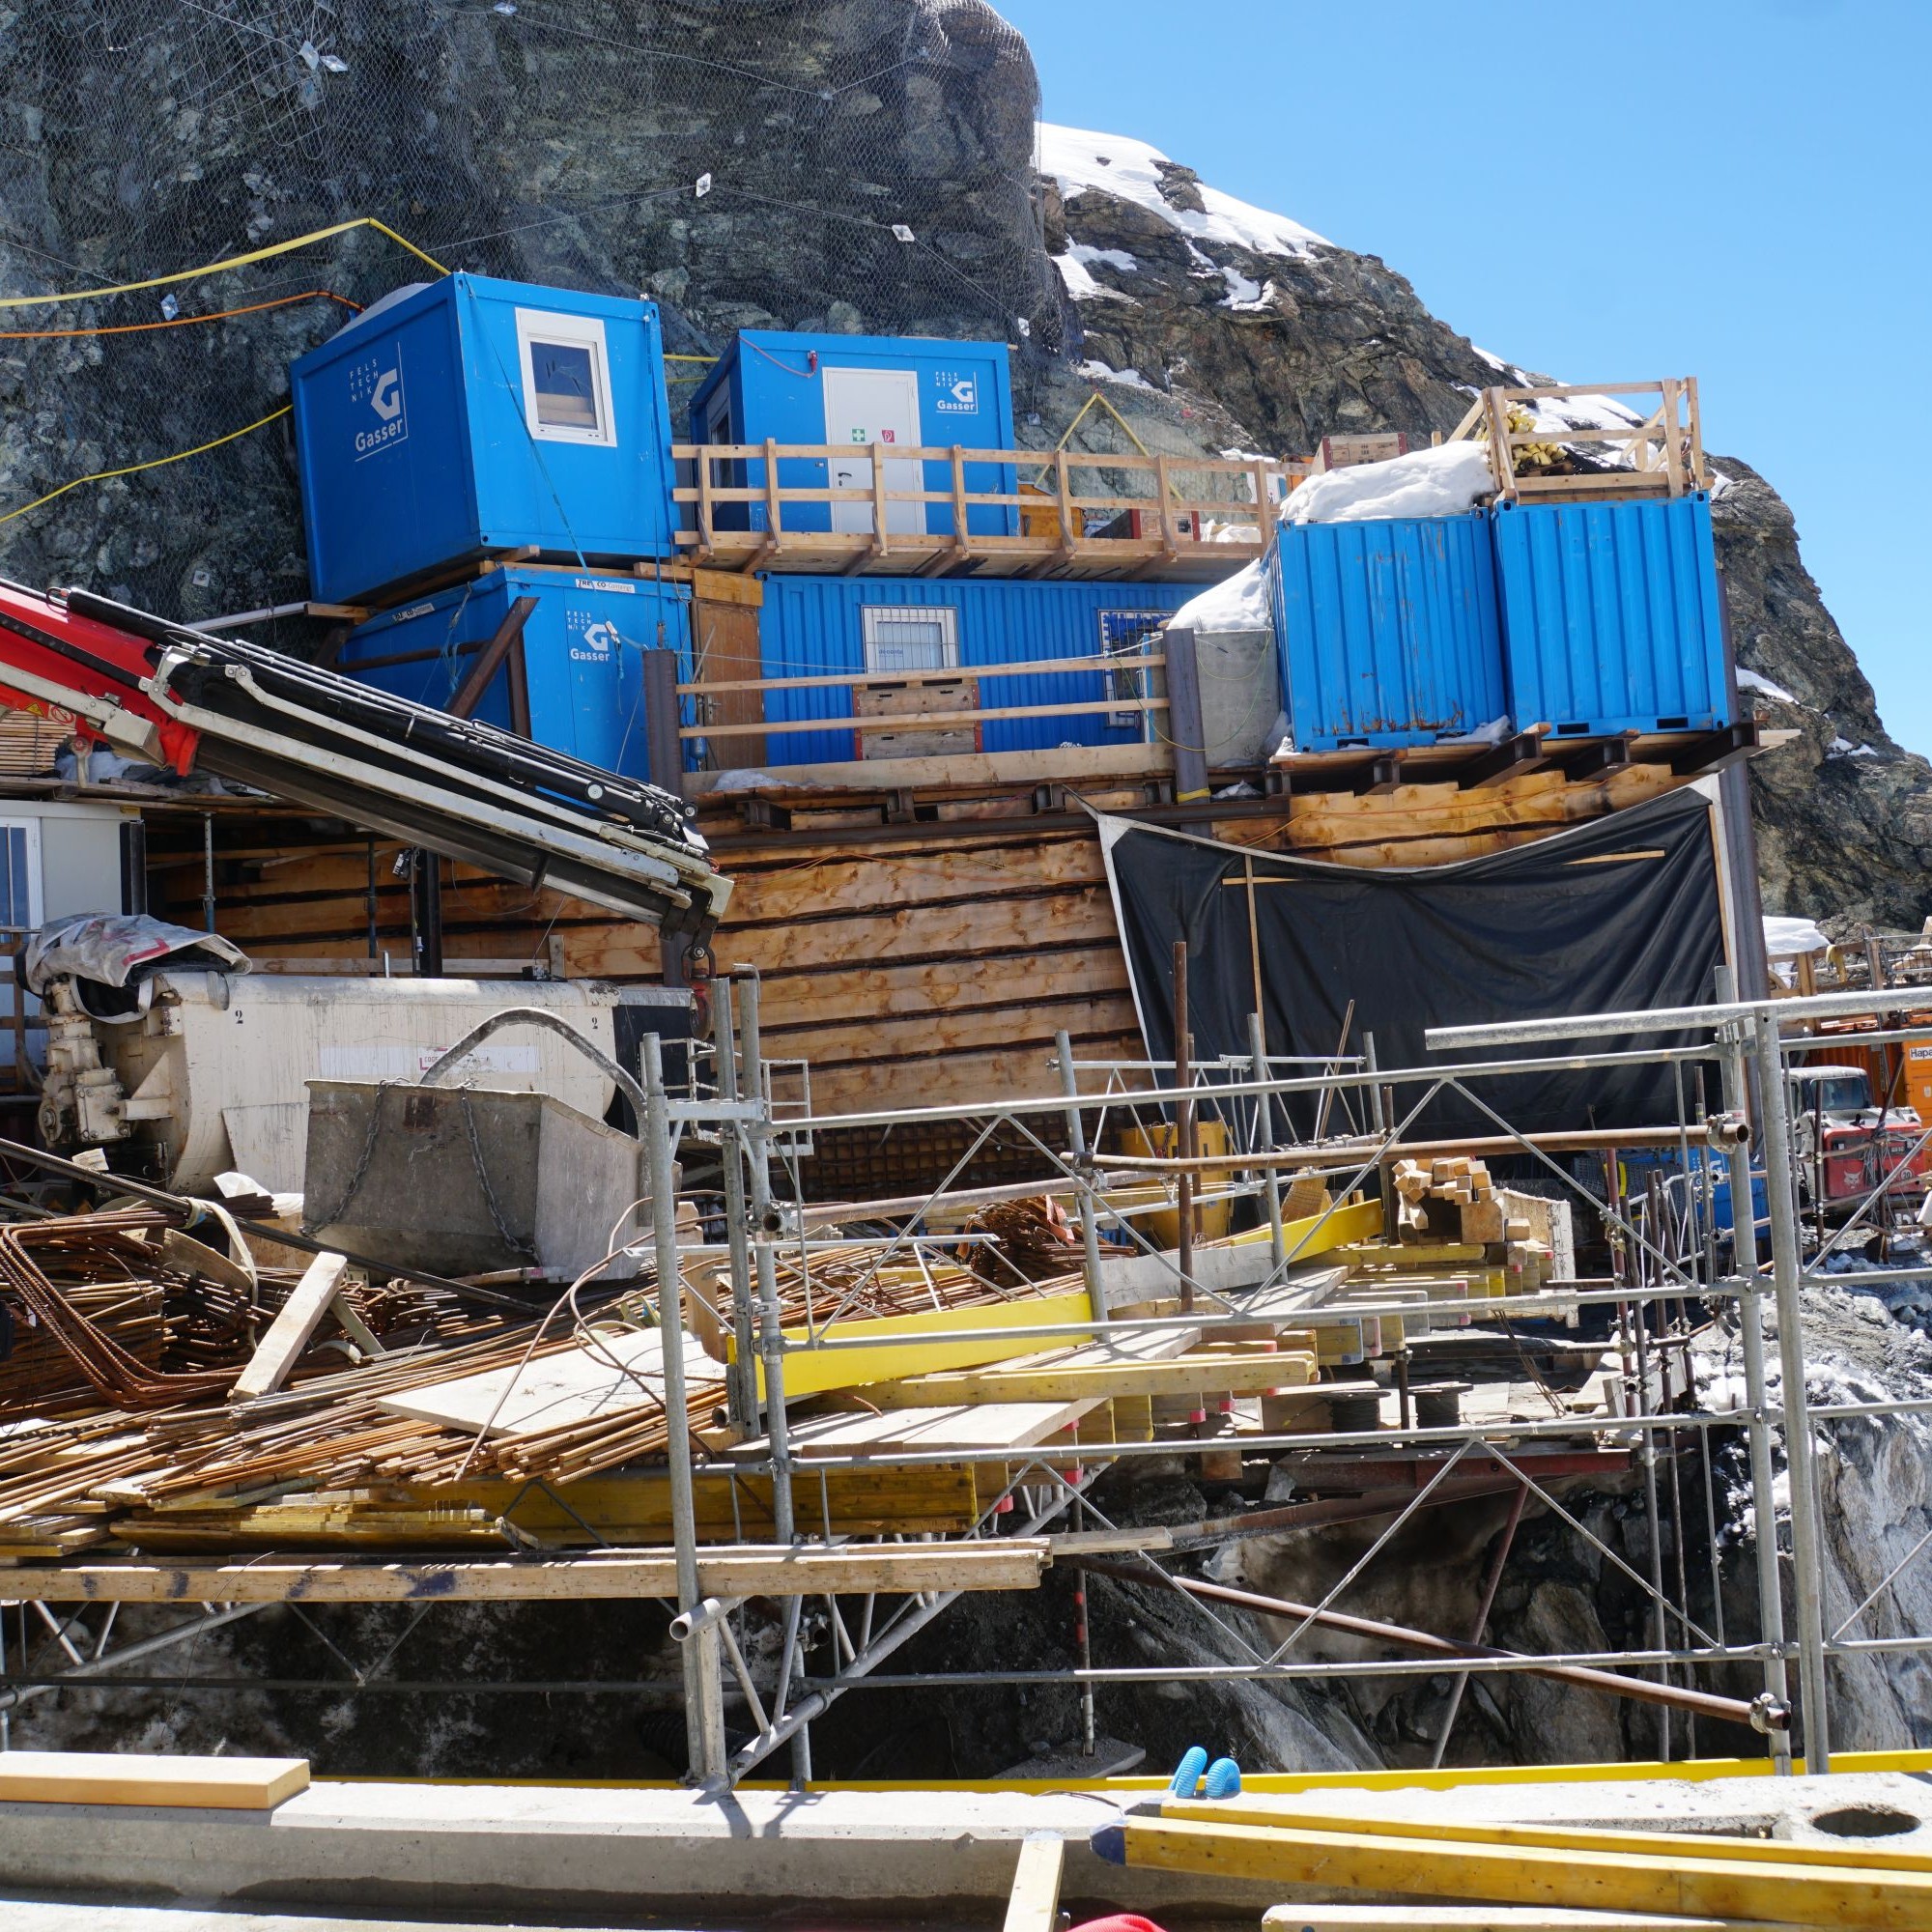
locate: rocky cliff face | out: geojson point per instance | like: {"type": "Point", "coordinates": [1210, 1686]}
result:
{"type": "Point", "coordinates": [567, 143]}
{"type": "Point", "coordinates": [1274, 346]}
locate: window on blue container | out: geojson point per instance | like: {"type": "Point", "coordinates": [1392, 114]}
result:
{"type": "Point", "coordinates": [19, 875]}
{"type": "Point", "coordinates": [19, 913]}
{"type": "Point", "coordinates": [566, 378]}
{"type": "Point", "coordinates": [914, 638]}
{"type": "Point", "coordinates": [1128, 636]}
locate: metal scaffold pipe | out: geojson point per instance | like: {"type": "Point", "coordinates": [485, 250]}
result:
{"type": "Point", "coordinates": [1671, 1696]}
{"type": "Point", "coordinates": [1806, 1556]}
{"type": "Point", "coordinates": [1673, 1019]}
{"type": "Point", "coordinates": [704, 1682]}
{"type": "Point", "coordinates": [1750, 1333]}
{"type": "Point", "coordinates": [742, 1377]}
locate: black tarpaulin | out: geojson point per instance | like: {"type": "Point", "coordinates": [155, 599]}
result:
{"type": "Point", "coordinates": [1621, 913]}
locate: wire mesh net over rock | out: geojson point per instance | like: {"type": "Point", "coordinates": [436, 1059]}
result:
{"type": "Point", "coordinates": [549, 141]}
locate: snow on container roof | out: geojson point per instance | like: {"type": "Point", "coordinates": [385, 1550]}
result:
{"type": "Point", "coordinates": [1237, 602]}
{"type": "Point", "coordinates": [1078, 157]}
{"type": "Point", "coordinates": [1445, 482]}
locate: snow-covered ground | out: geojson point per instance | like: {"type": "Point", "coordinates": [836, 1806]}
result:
{"type": "Point", "coordinates": [1078, 157]}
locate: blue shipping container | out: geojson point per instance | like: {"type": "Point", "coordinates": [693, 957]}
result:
{"type": "Point", "coordinates": [468, 415]}
{"type": "Point", "coordinates": [810, 626]}
{"type": "Point", "coordinates": [861, 390]}
{"type": "Point", "coordinates": [581, 648]}
{"type": "Point", "coordinates": [1612, 616]}
{"type": "Point", "coordinates": [1389, 631]}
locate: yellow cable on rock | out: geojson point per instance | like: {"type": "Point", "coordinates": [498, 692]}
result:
{"type": "Point", "coordinates": [230, 261]}
{"type": "Point", "coordinates": [155, 463]}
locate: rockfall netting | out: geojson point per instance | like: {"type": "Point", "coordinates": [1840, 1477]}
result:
{"type": "Point", "coordinates": [864, 166]}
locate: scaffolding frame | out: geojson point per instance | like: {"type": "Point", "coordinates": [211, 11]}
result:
{"type": "Point", "coordinates": [1666, 1254]}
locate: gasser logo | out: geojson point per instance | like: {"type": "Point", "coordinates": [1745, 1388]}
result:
{"type": "Point", "coordinates": [376, 385]}
{"type": "Point", "coordinates": [593, 639]}
{"type": "Point", "coordinates": [959, 392]}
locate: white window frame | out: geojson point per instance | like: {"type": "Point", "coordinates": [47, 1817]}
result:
{"type": "Point", "coordinates": [574, 331]}
{"type": "Point", "coordinates": [36, 876]}
{"type": "Point", "coordinates": [945, 615]}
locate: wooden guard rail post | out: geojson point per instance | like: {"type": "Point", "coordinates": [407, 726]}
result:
{"type": "Point", "coordinates": [1238, 491]}
{"type": "Point", "coordinates": [1665, 447]}
{"type": "Point", "coordinates": [927, 721]}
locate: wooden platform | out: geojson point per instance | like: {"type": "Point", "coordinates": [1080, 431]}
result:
{"type": "Point", "coordinates": [1008, 1563]}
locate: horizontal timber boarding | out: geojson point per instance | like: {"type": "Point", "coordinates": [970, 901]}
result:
{"type": "Point", "coordinates": [931, 964]}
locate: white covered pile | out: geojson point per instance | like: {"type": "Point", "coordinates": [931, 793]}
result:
{"type": "Point", "coordinates": [1449, 481]}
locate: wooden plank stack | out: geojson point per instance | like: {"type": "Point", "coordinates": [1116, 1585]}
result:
{"type": "Point", "coordinates": [1452, 1199]}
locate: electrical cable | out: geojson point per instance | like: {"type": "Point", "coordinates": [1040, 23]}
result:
{"type": "Point", "coordinates": [176, 322]}
{"type": "Point", "coordinates": [154, 463]}
{"type": "Point", "coordinates": [228, 262]}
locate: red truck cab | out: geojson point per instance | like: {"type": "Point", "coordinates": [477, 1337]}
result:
{"type": "Point", "coordinates": [1848, 1144]}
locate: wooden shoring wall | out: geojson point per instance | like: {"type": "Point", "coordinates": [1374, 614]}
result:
{"type": "Point", "coordinates": [911, 964]}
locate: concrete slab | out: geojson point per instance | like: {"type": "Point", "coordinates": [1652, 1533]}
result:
{"type": "Point", "coordinates": [459, 1854]}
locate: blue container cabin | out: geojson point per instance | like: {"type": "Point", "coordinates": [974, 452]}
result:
{"type": "Point", "coordinates": [1612, 616]}
{"type": "Point", "coordinates": [468, 415]}
{"type": "Point", "coordinates": [858, 390]}
{"type": "Point", "coordinates": [582, 655]}
{"type": "Point", "coordinates": [814, 626]}
{"type": "Point", "coordinates": [1389, 631]}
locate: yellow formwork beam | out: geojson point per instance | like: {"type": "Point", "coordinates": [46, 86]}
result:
{"type": "Point", "coordinates": [1494, 1918]}
{"type": "Point", "coordinates": [1183, 1374]}
{"type": "Point", "coordinates": [1288, 1813]}
{"type": "Point", "coordinates": [1862, 1900]}
{"type": "Point", "coordinates": [904, 1352]}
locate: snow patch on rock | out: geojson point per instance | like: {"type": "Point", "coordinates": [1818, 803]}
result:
{"type": "Point", "coordinates": [1080, 158]}
{"type": "Point", "coordinates": [1750, 680]}
{"type": "Point", "coordinates": [1098, 372]}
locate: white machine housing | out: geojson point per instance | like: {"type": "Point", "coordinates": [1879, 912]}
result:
{"type": "Point", "coordinates": [216, 1071]}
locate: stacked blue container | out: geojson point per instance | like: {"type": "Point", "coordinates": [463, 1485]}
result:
{"type": "Point", "coordinates": [467, 416]}
{"type": "Point", "coordinates": [1589, 619]}
{"type": "Point", "coordinates": [1612, 616]}
{"type": "Point", "coordinates": [471, 416]}
{"type": "Point", "coordinates": [812, 626]}
{"type": "Point", "coordinates": [583, 648]}
{"type": "Point", "coordinates": [862, 391]}
{"type": "Point", "coordinates": [1389, 631]}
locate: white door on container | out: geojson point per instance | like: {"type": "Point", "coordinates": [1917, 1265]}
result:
{"type": "Point", "coordinates": [864, 407]}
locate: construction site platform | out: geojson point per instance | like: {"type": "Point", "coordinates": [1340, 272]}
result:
{"type": "Point", "coordinates": [617, 1854]}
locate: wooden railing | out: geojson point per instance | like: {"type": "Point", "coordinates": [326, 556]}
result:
{"type": "Point", "coordinates": [1665, 449]}
{"type": "Point", "coordinates": [1184, 495]}
{"type": "Point", "coordinates": [1144, 705]}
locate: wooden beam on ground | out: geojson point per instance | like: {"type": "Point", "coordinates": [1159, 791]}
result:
{"type": "Point", "coordinates": [289, 1333]}
{"type": "Point", "coordinates": [1012, 1563]}
{"type": "Point", "coordinates": [620, 1509]}
{"type": "Point", "coordinates": [1034, 1904]}
{"type": "Point", "coordinates": [1852, 1901]}
{"type": "Point", "coordinates": [142, 1777]}
{"type": "Point", "coordinates": [1298, 1814]}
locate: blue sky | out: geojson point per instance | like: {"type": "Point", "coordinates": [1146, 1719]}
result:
{"type": "Point", "coordinates": [1735, 190]}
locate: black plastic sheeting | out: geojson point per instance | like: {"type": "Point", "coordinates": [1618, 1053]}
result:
{"type": "Point", "coordinates": [1622, 913]}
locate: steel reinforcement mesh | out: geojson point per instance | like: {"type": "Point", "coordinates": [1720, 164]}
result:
{"type": "Point", "coordinates": [865, 165]}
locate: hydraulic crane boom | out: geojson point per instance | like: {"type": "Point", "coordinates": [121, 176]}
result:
{"type": "Point", "coordinates": [187, 699]}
